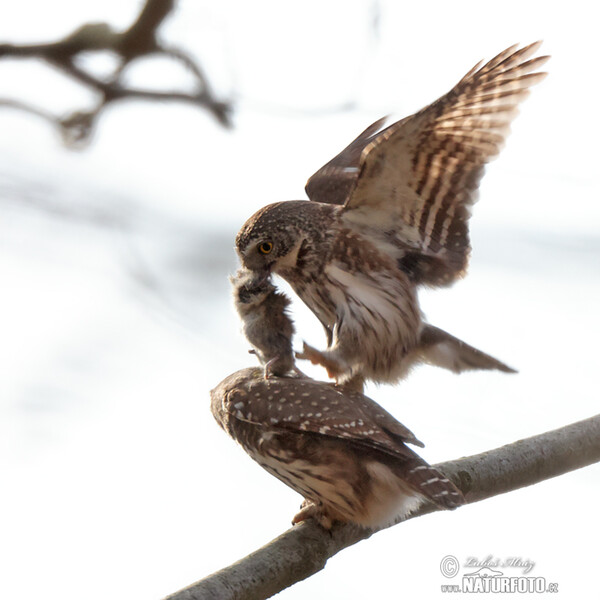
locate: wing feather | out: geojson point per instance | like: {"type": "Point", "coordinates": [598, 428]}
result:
{"type": "Point", "coordinates": [309, 406]}
{"type": "Point", "coordinates": [419, 177]}
{"type": "Point", "coordinates": [333, 182]}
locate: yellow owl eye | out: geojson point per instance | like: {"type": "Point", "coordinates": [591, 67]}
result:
{"type": "Point", "coordinates": [265, 247]}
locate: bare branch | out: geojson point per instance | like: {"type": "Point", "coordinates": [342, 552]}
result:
{"type": "Point", "coordinates": [28, 108]}
{"type": "Point", "coordinates": [304, 550]}
{"type": "Point", "coordinates": [137, 41]}
{"type": "Point", "coordinates": [140, 38]}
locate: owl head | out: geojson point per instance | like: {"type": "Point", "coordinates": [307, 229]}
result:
{"type": "Point", "coordinates": [270, 239]}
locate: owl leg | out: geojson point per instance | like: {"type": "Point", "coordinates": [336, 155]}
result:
{"type": "Point", "coordinates": [335, 367]}
{"type": "Point", "coordinates": [310, 510]}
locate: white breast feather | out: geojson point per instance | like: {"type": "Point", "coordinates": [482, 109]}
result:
{"type": "Point", "coordinates": [366, 291]}
{"type": "Point", "coordinates": [390, 498]}
{"type": "Point", "coordinates": [377, 321]}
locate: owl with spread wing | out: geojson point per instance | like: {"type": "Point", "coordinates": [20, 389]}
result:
{"type": "Point", "coordinates": [390, 214]}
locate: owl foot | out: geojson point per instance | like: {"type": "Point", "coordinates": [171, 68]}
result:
{"type": "Point", "coordinates": [334, 368]}
{"type": "Point", "coordinates": [310, 510]}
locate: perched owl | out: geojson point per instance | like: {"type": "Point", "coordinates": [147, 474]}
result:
{"type": "Point", "coordinates": [265, 321]}
{"type": "Point", "coordinates": [387, 215]}
{"type": "Point", "coordinates": [339, 449]}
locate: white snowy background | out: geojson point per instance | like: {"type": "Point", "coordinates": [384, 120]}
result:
{"type": "Point", "coordinates": [116, 321]}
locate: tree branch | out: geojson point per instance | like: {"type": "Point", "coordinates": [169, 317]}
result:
{"type": "Point", "coordinates": [140, 39]}
{"type": "Point", "coordinates": [304, 550]}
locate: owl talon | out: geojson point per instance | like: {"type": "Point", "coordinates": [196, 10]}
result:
{"type": "Point", "coordinates": [332, 374]}
{"type": "Point", "coordinates": [310, 510]}
{"type": "Point", "coordinates": [334, 368]}
{"type": "Point", "coordinates": [304, 355]}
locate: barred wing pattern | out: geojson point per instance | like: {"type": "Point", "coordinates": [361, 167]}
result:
{"type": "Point", "coordinates": [418, 178]}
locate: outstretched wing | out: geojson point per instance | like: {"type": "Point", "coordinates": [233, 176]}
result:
{"type": "Point", "coordinates": [415, 181]}
{"type": "Point", "coordinates": [334, 182]}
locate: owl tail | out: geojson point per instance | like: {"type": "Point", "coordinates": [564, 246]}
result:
{"type": "Point", "coordinates": [439, 348]}
{"type": "Point", "coordinates": [432, 484]}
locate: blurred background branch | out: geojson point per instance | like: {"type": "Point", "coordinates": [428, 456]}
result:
{"type": "Point", "coordinates": [304, 550]}
{"type": "Point", "coordinates": [139, 40]}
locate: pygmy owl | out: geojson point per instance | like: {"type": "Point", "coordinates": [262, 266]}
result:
{"type": "Point", "coordinates": [340, 450]}
{"type": "Point", "coordinates": [387, 215]}
{"type": "Point", "coordinates": [265, 322]}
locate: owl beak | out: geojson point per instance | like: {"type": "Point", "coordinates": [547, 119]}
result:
{"type": "Point", "coordinates": [263, 274]}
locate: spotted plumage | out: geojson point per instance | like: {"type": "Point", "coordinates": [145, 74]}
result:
{"type": "Point", "coordinates": [265, 321]}
{"type": "Point", "coordinates": [340, 450]}
{"type": "Point", "coordinates": [387, 215]}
